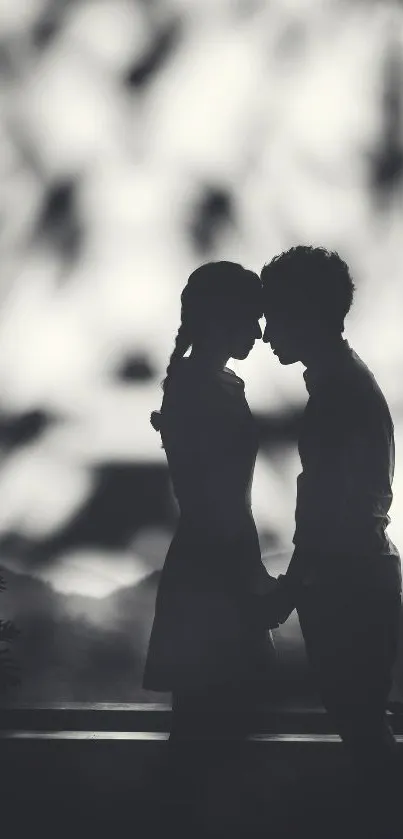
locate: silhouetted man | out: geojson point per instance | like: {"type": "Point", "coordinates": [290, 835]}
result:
{"type": "Point", "coordinates": [344, 577]}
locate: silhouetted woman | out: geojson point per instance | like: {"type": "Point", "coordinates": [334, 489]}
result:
{"type": "Point", "coordinates": [207, 645]}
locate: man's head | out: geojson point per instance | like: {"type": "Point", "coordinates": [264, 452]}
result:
{"type": "Point", "coordinates": [307, 293]}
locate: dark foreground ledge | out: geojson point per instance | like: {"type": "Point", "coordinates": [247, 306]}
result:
{"type": "Point", "coordinates": [89, 771]}
{"type": "Point", "coordinates": [141, 719]}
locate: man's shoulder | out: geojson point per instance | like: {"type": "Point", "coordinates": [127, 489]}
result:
{"type": "Point", "coordinates": [355, 384]}
{"type": "Point", "coordinates": [359, 376]}
{"type": "Point", "coordinates": [355, 373]}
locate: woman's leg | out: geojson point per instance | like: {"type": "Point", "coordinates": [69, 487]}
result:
{"type": "Point", "coordinates": [195, 714]}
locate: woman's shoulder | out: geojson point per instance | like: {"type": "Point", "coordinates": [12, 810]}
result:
{"type": "Point", "coordinates": [191, 381]}
{"type": "Point", "coordinates": [192, 389]}
{"type": "Point", "coordinates": [187, 405]}
{"type": "Point", "coordinates": [183, 379]}
{"type": "Point", "coordinates": [185, 391]}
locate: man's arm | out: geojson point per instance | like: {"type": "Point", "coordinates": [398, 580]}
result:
{"type": "Point", "coordinates": [330, 490]}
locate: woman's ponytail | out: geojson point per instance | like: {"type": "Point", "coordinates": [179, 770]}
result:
{"type": "Point", "coordinates": [182, 343]}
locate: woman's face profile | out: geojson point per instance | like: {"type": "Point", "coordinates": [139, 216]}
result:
{"type": "Point", "coordinates": [226, 324]}
{"type": "Point", "coordinates": [243, 330]}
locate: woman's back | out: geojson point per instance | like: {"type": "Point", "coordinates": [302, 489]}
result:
{"type": "Point", "coordinates": [210, 440]}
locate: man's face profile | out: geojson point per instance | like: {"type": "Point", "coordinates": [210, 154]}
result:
{"type": "Point", "coordinates": [283, 333]}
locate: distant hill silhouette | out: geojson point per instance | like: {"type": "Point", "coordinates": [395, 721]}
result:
{"type": "Point", "coordinates": [85, 649]}
{"type": "Point", "coordinates": [78, 648]}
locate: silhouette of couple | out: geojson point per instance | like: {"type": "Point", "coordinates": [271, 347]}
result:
{"type": "Point", "coordinates": [211, 643]}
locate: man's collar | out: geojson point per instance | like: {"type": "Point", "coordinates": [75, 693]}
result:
{"type": "Point", "coordinates": [327, 364]}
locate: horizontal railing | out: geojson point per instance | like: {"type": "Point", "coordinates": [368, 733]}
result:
{"type": "Point", "coordinates": [156, 718]}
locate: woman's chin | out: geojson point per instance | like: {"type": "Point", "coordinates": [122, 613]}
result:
{"type": "Point", "coordinates": [242, 353]}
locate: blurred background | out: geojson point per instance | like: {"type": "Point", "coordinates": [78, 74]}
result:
{"type": "Point", "coordinates": [139, 138]}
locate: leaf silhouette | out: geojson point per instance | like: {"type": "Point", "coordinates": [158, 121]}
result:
{"type": "Point", "coordinates": [8, 632]}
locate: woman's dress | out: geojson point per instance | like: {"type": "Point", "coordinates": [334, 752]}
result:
{"type": "Point", "coordinates": [206, 632]}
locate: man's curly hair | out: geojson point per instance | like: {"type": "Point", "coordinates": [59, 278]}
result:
{"type": "Point", "coordinates": [309, 282]}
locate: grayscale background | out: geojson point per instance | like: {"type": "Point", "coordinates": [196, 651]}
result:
{"type": "Point", "coordinates": [139, 138]}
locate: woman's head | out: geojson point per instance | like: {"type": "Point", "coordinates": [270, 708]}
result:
{"type": "Point", "coordinates": [220, 312]}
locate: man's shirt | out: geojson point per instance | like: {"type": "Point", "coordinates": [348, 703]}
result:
{"type": "Point", "coordinates": [344, 491]}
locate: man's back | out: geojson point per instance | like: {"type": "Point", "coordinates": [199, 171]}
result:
{"type": "Point", "coordinates": [347, 453]}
